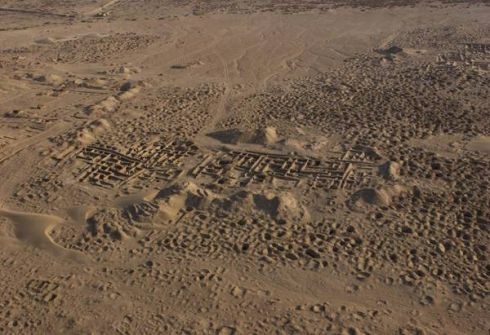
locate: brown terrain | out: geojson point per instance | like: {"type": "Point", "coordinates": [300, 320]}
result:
{"type": "Point", "coordinates": [244, 167]}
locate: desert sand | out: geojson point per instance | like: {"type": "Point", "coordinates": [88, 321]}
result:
{"type": "Point", "coordinates": [244, 167]}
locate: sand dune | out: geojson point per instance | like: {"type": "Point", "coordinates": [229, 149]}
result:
{"type": "Point", "coordinates": [33, 230]}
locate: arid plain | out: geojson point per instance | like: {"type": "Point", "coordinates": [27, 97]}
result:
{"type": "Point", "coordinates": [244, 167]}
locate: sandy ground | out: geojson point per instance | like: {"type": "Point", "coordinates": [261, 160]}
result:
{"type": "Point", "coordinates": [232, 167]}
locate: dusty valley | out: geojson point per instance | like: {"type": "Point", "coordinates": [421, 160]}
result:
{"type": "Point", "coordinates": [244, 167]}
